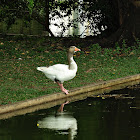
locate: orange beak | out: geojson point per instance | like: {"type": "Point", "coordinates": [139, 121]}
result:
{"type": "Point", "coordinates": [76, 49]}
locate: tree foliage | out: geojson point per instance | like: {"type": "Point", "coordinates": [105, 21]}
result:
{"type": "Point", "coordinates": [10, 10]}
{"type": "Point", "coordinates": [30, 5]}
{"type": "Point", "coordinates": [99, 14]}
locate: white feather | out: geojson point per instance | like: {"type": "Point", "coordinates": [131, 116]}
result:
{"type": "Point", "coordinates": [60, 72]}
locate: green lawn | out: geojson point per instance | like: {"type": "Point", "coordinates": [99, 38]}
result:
{"type": "Point", "coordinates": [19, 79]}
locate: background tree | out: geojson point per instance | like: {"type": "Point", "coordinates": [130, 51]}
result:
{"type": "Point", "coordinates": [129, 22]}
{"type": "Point", "coordinates": [91, 11]}
{"type": "Point", "coordinates": [10, 10]}
{"type": "Point", "coordinates": [120, 18]}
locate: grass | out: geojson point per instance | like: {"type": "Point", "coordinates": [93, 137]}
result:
{"type": "Point", "coordinates": [19, 79]}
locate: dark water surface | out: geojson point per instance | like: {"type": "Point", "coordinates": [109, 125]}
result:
{"type": "Point", "coordinates": [102, 118]}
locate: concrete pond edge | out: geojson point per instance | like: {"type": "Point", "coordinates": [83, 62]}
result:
{"type": "Point", "coordinates": [58, 96]}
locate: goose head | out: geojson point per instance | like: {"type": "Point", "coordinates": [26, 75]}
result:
{"type": "Point", "coordinates": [73, 49]}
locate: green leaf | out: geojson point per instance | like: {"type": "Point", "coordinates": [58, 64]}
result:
{"type": "Point", "coordinates": [30, 5]}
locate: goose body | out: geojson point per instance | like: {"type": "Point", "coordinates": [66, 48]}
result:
{"type": "Point", "coordinates": [61, 72]}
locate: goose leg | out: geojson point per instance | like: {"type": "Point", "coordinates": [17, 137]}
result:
{"type": "Point", "coordinates": [62, 88]}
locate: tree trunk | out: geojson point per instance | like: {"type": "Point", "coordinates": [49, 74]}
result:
{"type": "Point", "coordinates": [47, 17]}
{"type": "Point", "coordinates": [42, 20]}
{"type": "Point", "coordinates": [129, 19]}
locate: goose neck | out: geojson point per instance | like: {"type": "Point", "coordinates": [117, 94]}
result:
{"type": "Point", "coordinates": [71, 62]}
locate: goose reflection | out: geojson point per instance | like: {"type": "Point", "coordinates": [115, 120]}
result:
{"type": "Point", "coordinates": [63, 122]}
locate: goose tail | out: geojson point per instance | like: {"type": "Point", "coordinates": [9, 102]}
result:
{"type": "Point", "coordinates": [41, 68]}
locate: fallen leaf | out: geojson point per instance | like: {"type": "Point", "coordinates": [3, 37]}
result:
{"type": "Point", "coordinates": [132, 53]}
{"type": "Point", "coordinates": [46, 51]}
{"type": "Point", "coordinates": [29, 57]}
{"type": "Point", "coordinates": [51, 62]}
{"type": "Point", "coordinates": [89, 70]}
{"type": "Point", "coordinates": [87, 52]}
{"type": "Point", "coordinates": [60, 48]}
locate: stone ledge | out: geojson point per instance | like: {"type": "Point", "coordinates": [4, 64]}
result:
{"type": "Point", "coordinates": [75, 92]}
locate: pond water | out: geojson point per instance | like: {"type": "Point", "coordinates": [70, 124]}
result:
{"type": "Point", "coordinates": [101, 118]}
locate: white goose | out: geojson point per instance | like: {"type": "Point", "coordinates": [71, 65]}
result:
{"type": "Point", "coordinates": [61, 72]}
